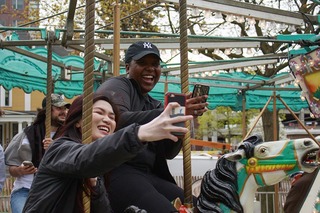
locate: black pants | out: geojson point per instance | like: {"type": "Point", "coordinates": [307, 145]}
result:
{"type": "Point", "coordinates": [128, 186]}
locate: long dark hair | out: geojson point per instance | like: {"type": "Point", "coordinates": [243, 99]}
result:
{"type": "Point", "coordinates": [74, 115]}
{"type": "Point", "coordinates": [69, 130]}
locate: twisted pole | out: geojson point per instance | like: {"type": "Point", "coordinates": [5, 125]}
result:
{"type": "Point", "coordinates": [184, 74]}
{"type": "Point", "coordinates": [50, 40]}
{"type": "Point", "coordinates": [88, 85]}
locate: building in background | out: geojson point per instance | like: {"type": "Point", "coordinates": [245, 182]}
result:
{"type": "Point", "coordinates": [20, 109]}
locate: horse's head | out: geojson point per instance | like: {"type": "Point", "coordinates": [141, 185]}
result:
{"type": "Point", "coordinates": [275, 160]}
{"type": "Point", "coordinates": [233, 183]}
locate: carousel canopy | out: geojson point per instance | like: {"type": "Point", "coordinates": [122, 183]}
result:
{"type": "Point", "coordinates": [26, 68]}
{"type": "Point", "coordinates": [226, 89]}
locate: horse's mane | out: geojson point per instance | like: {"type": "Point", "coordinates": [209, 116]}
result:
{"type": "Point", "coordinates": [220, 185]}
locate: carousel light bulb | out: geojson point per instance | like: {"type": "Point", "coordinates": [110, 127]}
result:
{"type": "Point", "coordinates": [227, 51]}
{"type": "Point", "coordinates": [262, 23]}
{"type": "Point", "coordinates": [230, 18]}
{"type": "Point", "coordinates": [291, 28]}
{"type": "Point", "coordinates": [311, 63]}
{"type": "Point", "coordinates": [270, 66]}
{"type": "Point", "coordinates": [241, 19]}
{"type": "Point", "coordinates": [238, 51]}
{"type": "Point", "coordinates": [218, 17]}
{"type": "Point", "coordinates": [251, 21]}
{"type": "Point", "coordinates": [203, 75]}
{"type": "Point", "coordinates": [207, 14]}
{"type": "Point", "coordinates": [249, 51]}
{"type": "Point", "coordinates": [195, 11]}
{"type": "Point", "coordinates": [216, 51]}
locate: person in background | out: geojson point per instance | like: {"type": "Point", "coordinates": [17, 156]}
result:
{"type": "Point", "coordinates": [2, 169]}
{"type": "Point", "coordinates": [70, 168]}
{"type": "Point", "coordinates": [144, 181]}
{"type": "Point", "coordinates": [30, 145]}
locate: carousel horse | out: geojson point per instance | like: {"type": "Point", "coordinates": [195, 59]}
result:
{"type": "Point", "coordinates": [231, 186]}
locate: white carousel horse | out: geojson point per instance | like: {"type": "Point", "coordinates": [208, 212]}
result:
{"type": "Point", "coordinates": [231, 186]}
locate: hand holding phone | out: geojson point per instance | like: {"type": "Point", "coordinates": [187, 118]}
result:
{"type": "Point", "coordinates": [177, 111]}
{"type": "Point", "coordinates": [200, 90]}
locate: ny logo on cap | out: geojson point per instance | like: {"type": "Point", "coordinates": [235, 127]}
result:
{"type": "Point", "coordinates": [147, 45]}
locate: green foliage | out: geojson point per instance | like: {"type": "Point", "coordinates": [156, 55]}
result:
{"type": "Point", "coordinates": [225, 122]}
{"type": "Point", "coordinates": [207, 124]}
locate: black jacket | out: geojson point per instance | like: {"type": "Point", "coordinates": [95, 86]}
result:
{"type": "Point", "coordinates": [66, 163]}
{"type": "Point", "coordinates": [137, 108]}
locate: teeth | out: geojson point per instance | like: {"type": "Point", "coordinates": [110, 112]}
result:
{"type": "Point", "coordinates": [104, 129]}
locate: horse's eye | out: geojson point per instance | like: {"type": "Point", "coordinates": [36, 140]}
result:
{"type": "Point", "coordinates": [263, 150]}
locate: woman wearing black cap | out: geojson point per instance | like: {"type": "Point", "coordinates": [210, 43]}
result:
{"type": "Point", "coordinates": [144, 181]}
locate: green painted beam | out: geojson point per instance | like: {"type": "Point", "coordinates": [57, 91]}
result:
{"type": "Point", "coordinates": [298, 37]}
{"type": "Point", "coordinates": [302, 51]}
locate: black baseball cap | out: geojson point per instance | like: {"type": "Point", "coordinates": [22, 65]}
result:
{"type": "Point", "coordinates": [140, 49]}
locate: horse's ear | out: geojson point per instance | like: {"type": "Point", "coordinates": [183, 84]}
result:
{"type": "Point", "coordinates": [254, 139]}
{"type": "Point", "coordinates": [235, 156]}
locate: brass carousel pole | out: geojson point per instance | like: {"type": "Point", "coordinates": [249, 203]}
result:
{"type": "Point", "coordinates": [244, 125]}
{"type": "Point", "coordinates": [275, 138]}
{"type": "Point", "coordinates": [185, 89]}
{"type": "Point", "coordinates": [88, 85]}
{"type": "Point", "coordinates": [116, 39]}
{"type": "Point", "coordinates": [50, 40]}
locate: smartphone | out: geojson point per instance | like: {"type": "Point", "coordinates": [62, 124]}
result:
{"type": "Point", "coordinates": [27, 163]}
{"type": "Point", "coordinates": [200, 90]}
{"type": "Point", "coordinates": [180, 98]}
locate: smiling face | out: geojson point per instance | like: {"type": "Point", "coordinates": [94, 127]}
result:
{"type": "Point", "coordinates": [58, 115]}
{"type": "Point", "coordinates": [146, 72]}
{"type": "Point", "coordinates": [103, 119]}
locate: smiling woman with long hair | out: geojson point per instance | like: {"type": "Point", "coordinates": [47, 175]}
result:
{"type": "Point", "coordinates": [68, 165]}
